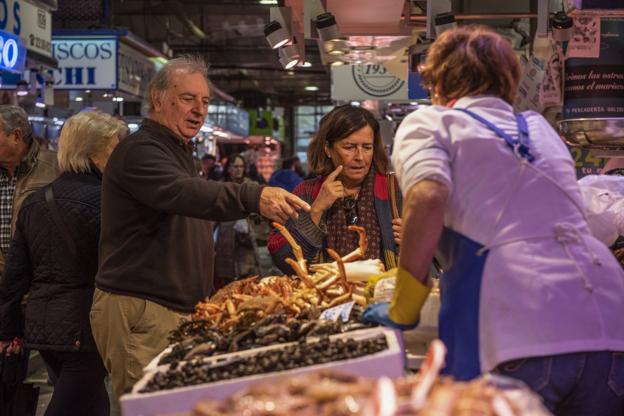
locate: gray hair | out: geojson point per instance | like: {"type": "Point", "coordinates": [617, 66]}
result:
{"type": "Point", "coordinates": [13, 117]}
{"type": "Point", "coordinates": [85, 136]}
{"type": "Point", "coordinates": [188, 64]}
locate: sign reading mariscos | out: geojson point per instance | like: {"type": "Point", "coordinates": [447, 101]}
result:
{"type": "Point", "coordinates": [367, 82]}
{"type": "Point", "coordinates": [85, 63]}
{"type": "Point", "coordinates": [12, 54]}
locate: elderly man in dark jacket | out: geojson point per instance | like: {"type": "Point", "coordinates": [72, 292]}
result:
{"type": "Point", "coordinates": [54, 257]}
{"type": "Point", "coordinates": [156, 248]}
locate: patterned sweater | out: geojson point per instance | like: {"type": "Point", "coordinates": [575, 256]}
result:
{"type": "Point", "coordinates": [312, 237]}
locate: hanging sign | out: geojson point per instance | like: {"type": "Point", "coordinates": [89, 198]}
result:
{"type": "Point", "coordinates": [85, 63]}
{"type": "Point", "coordinates": [366, 82]}
{"type": "Point", "coordinates": [29, 22]}
{"type": "Point", "coordinates": [12, 53]}
{"type": "Point", "coordinates": [135, 70]}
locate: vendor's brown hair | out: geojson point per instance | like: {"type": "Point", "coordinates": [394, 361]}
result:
{"type": "Point", "coordinates": [470, 61]}
{"type": "Point", "coordinates": [338, 124]}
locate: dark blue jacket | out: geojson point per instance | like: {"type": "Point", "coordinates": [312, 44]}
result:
{"type": "Point", "coordinates": [286, 179]}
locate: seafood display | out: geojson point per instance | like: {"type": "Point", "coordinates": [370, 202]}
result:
{"type": "Point", "coordinates": [320, 287]}
{"type": "Point", "coordinates": [195, 339]}
{"type": "Point", "coordinates": [424, 394]}
{"type": "Point", "coordinates": [288, 357]}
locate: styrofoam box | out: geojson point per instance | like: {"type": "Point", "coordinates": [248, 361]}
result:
{"type": "Point", "coordinates": [389, 362]}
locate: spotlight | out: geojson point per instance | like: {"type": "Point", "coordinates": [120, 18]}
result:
{"type": "Point", "coordinates": [562, 27]}
{"type": "Point", "coordinates": [289, 56]}
{"type": "Point", "coordinates": [336, 47]}
{"type": "Point", "coordinates": [277, 31]}
{"type": "Point", "coordinates": [326, 26]}
{"type": "Point", "coordinates": [21, 88]}
{"type": "Point", "coordinates": [276, 34]}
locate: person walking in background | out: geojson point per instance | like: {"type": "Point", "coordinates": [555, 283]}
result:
{"type": "Point", "coordinates": [25, 167]}
{"type": "Point", "coordinates": [53, 257]}
{"type": "Point", "coordinates": [236, 251]}
{"type": "Point", "coordinates": [287, 177]}
{"type": "Point", "coordinates": [156, 247]}
{"type": "Point", "coordinates": [210, 169]}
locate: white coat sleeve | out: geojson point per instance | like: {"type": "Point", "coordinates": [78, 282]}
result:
{"type": "Point", "coordinates": [421, 149]}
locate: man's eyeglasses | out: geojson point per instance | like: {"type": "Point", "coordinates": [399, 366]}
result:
{"type": "Point", "coordinates": [349, 206]}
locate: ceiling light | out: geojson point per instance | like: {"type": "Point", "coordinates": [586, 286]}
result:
{"type": "Point", "coordinates": [78, 99]}
{"type": "Point", "coordinates": [40, 105]}
{"type": "Point", "coordinates": [272, 2]}
{"type": "Point", "coordinates": [21, 88]}
{"type": "Point", "coordinates": [355, 103]}
{"type": "Point", "coordinates": [336, 47]}
{"type": "Point", "coordinates": [326, 27]}
{"type": "Point", "coordinates": [306, 64]}
{"type": "Point", "coordinates": [337, 63]}
{"type": "Point", "coordinates": [289, 56]}
{"type": "Point", "coordinates": [311, 88]}
{"type": "Point", "coordinates": [276, 34]}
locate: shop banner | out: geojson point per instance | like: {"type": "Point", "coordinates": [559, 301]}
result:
{"type": "Point", "coordinates": [31, 23]}
{"type": "Point", "coordinates": [135, 70]}
{"type": "Point", "coordinates": [12, 53]}
{"type": "Point", "coordinates": [366, 82]}
{"type": "Point", "coordinates": [594, 87]}
{"type": "Point", "coordinates": [85, 64]}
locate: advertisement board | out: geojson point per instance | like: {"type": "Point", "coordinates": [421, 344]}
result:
{"type": "Point", "coordinates": [29, 22]}
{"type": "Point", "coordinates": [85, 63]}
{"type": "Point", "coordinates": [366, 82]}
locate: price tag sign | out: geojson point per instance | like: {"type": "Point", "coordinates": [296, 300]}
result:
{"type": "Point", "coordinates": [341, 311]}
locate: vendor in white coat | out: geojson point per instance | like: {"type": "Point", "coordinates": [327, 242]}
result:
{"type": "Point", "coordinates": [527, 290]}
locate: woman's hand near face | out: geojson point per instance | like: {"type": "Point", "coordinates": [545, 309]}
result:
{"type": "Point", "coordinates": [397, 224]}
{"type": "Point", "coordinates": [331, 190]}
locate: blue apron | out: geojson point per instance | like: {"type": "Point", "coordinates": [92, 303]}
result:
{"type": "Point", "coordinates": [463, 261]}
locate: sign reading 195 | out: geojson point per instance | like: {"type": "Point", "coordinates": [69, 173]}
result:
{"type": "Point", "coordinates": [375, 70]}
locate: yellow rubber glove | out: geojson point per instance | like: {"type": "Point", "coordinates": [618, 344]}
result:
{"type": "Point", "coordinates": [409, 297]}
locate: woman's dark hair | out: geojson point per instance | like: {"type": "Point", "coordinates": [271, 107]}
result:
{"type": "Point", "coordinates": [338, 124]}
{"type": "Point", "coordinates": [230, 161]}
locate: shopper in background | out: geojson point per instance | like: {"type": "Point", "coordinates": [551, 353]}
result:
{"type": "Point", "coordinates": [287, 177]}
{"type": "Point", "coordinates": [527, 291]}
{"type": "Point", "coordinates": [53, 257]}
{"type": "Point", "coordinates": [236, 251]}
{"type": "Point", "coordinates": [24, 168]}
{"type": "Point", "coordinates": [210, 169]}
{"type": "Point", "coordinates": [156, 247]}
{"type": "Point", "coordinates": [352, 189]}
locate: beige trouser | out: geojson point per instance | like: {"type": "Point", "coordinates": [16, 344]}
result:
{"type": "Point", "coordinates": [129, 332]}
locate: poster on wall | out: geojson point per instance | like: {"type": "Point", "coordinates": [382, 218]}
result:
{"type": "Point", "coordinates": [367, 82]}
{"type": "Point", "coordinates": [594, 87]}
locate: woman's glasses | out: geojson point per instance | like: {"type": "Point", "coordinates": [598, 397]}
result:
{"type": "Point", "coordinates": [348, 204]}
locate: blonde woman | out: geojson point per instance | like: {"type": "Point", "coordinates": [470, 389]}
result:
{"type": "Point", "coordinates": [54, 257]}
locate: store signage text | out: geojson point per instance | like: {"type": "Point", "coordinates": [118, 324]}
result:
{"type": "Point", "coordinates": [367, 82]}
{"type": "Point", "coordinates": [135, 70]}
{"type": "Point", "coordinates": [85, 63]}
{"type": "Point", "coordinates": [29, 22]}
{"type": "Point", "coordinates": [12, 54]}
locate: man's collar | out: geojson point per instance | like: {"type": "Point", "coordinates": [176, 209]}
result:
{"type": "Point", "coordinates": [163, 130]}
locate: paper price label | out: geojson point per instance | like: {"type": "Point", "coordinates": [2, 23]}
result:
{"type": "Point", "coordinates": [342, 311]}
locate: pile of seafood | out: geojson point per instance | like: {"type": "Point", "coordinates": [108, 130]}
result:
{"type": "Point", "coordinates": [287, 357]}
{"type": "Point", "coordinates": [424, 394]}
{"type": "Point", "coordinates": [201, 338]}
{"type": "Point", "coordinates": [320, 287]}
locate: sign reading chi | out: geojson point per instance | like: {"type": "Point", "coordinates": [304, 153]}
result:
{"type": "Point", "coordinates": [85, 63]}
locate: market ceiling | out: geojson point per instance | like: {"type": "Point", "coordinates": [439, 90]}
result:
{"type": "Point", "coordinates": [229, 34]}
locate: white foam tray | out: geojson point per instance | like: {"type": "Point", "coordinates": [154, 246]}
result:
{"type": "Point", "coordinates": [390, 363]}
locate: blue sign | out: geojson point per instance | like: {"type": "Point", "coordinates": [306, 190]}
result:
{"type": "Point", "coordinates": [12, 53]}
